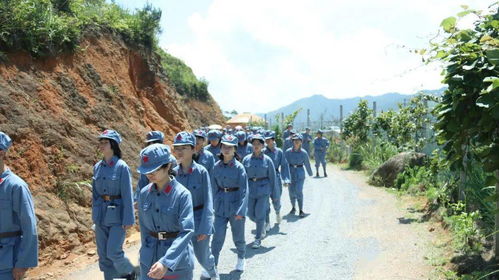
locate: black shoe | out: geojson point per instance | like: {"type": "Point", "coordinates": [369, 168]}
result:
{"type": "Point", "coordinates": [292, 212]}
{"type": "Point", "coordinates": [317, 174]}
{"type": "Point", "coordinates": [325, 174]}
{"type": "Point", "coordinates": [303, 214]}
{"type": "Point", "coordinates": [134, 275]}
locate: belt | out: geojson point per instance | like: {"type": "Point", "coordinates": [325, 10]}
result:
{"type": "Point", "coordinates": [296, 165]}
{"type": "Point", "coordinates": [10, 234]}
{"type": "Point", "coordinates": [110, 197]}
{"type": "Point", "coordinates": [229, 189]}
{"type": "Point", "coordinates": [257, 179]}
{"type": "Point", "coordinates": [199, 207]}
{"type": "Point", "coordinates": [163, 235]}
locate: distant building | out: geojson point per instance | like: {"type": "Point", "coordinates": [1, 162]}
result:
{"type": "Point", "coordinates": [245, 119]}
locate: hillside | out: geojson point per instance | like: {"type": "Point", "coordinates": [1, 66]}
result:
{"type": "Point", "coordinates": [330, 108]}
{"type": "Point", "coordinates": [55, 106]}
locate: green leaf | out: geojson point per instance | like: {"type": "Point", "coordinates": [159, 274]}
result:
{"type": "Point", "coordinates": [493, 56]}
{"type": "Point", "coordinates": [448, 24]}
{"type": "Point", "coordinates": [490, 180]}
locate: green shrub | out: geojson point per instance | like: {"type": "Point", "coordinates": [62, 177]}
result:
{"type": "Point", "coordinates": [467, 236]}
{"type": "Point", "coordinates": [375, 152]}
{"type": "Point", "coordinates": [182, 77]}
{"type": "Point", "coordinates": [355, 161]}
{"type": "Point", "coordinates": [48, 27]}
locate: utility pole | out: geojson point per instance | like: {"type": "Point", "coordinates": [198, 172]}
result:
{"type": "Point", "coordinates": [265, 116]}
{"type": "Point", "coordinates": [341, 118]}
{"type": "Point", "coordinates": [374, 108]}
{"type": "Point", "coordinates": [308, 117]}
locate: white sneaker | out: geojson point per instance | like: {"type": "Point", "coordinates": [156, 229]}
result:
{"type": "Point", "coordinates": [278, 218]}
{"type": "Point", "coordinates": [256, 244]}
{"type": "Point", "coordinates": [240, 264]}
{"type": "Point", "coordinates": [205, 274]}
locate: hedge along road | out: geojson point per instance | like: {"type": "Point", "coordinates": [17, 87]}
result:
{"type": "Point", "coordinates": [354, 231]}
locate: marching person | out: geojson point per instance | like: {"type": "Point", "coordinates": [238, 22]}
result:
{"type": "Point", "coordinates": [166, 219]}
{"type": "Point", "coordinates": [112, 207]}
{"type": "Point", "coordinates": [214, 142]}
{"type": "Point", "coordinates": [282, 174]}
{"type": "Point", "coordinates": [262, 186]}
{"type": "Point", "coordinates": [288, 143]}
{"type": "Point", "coordinates": [320, 149]}
{"type": "Point", "coordinates": [243, 147]}
{"type": "Point", "coordinates": [297, 158]}
{"type": "Point", "coordinates": [196, 179]}
{"type": "Point", "coordinates": [307, 138]}
{"type": "Point", "coordinates": [18, 234]}
{"type": "Point", "coordinates": [201, 155]}
{"type": "Point", "coordinates": [287, 133]}
{"type": "Point", "coordinates": [230, 200]}
{"type": "Point", "coordinates": [153, 137]}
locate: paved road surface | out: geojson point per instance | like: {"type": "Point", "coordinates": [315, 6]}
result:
{"type": "Point", "coordinates": [331, 243]}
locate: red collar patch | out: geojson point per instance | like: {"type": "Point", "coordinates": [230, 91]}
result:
{"type": "Point", "coordinates": [190, 170]}
{"type": "Point", "coordinates": [168, 188]}
{"type": "Point", "coordinates": [1, 180]}
{"type": "Point", "coordinates": [111, 163]}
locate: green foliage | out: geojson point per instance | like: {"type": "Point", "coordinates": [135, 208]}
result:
{"type": "Point", "coordinates": [356, 126]}
{"type": "Point", "coordinates": [48, 27]}
{"type": "Point", "coordinates": [375, 152]}
{"type": "Point", "coordinates": [182, 77]}
{"type": "Point", "coordinates": [467, 236]}
{"type": "Point", "coordinates": [289, 119]}
{"type": "Point", "coordinates": [278, 135]}
{"type": "Point", "coordinates": [355, 161]}
{"type": "Point", "coordinates": [338, 151]}
{"type": "Point", "coordinates": [407, 127]}
{"type": "Point", "coordinates": [469, 111]}
{"type": "Point", "coordinates": [415, 180]}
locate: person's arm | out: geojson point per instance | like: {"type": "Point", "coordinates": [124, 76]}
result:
{"type": "Point", "coordinates": [285, 175]}
{"type": "Point", "coordinates": [27, 253]}
{"type": "Point", "coordinates": [128, 218]}
{"type": "Point", "coordinates": [242, 210]}
{"type": "Point", "coordinates": [140, 184]}
{"type": "Point", "coordinates": [207, 218]}
{"type": "Point", "coordinates": [274, 188]}
{"type": "Point", "coordinates": [186, 222]}
{"type": "Point", "coordinates": [307, 163]}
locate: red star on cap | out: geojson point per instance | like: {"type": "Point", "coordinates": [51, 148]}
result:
{"type": "Point", "coordinates": [1, 180]}
{"type": "Point", "coordinates": [105, 132]}
{"type": "Point", "coordinates": [179, 137]}
{"type": "Point", "coordinates": [229, 138]}
{"type": "Point", "coordinates": [145, 159]}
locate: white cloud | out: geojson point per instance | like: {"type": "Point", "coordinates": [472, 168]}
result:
{"type": "Point", "coordinates": [260, 55]}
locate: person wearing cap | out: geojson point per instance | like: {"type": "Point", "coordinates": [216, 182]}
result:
{"type": "Point", "coordinates": [166, 219]}
{"type": "Point", "coordinates": [18, 234]}
{"type": "Point", "coordinates": [262, 186]}
{"type": "Point", "coordinates": [321, 145]}
{"type": "Point", "coordinates": [243, 147]}
{"type": "Point", "coordinates": [297, 158]}
{"type": "Point", "coordinates": [112, 207]}
{"type": "Point", "coordinates": [282, 174]}
{"type": "Point", "coordinates": [288, 142]}
{"type": "Point", "coordinates": [214, 142]}
{"type": "Point", "coordinates": [230, 200]}
{"type": "Point", "coordinates": [196, 179]}
{"type": "Point", "coordinates": [201, 155]}
{"type": "Point", "coordinates": [152, 137]}
{"type": "Point", "coordinates": [307, 138]}
{"type": "Point", "coordinates": [286, 133]}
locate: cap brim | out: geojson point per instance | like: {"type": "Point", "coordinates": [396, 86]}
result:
{"type": "Point", "coordinates": [150, 140]}
{"type": "Point", "coordinates": [229, 144]}
{"type": "Point", "coordinates": [149, 169]}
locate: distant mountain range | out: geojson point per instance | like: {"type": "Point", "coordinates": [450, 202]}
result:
{"type": "Point", "coordinates": [330, 108]}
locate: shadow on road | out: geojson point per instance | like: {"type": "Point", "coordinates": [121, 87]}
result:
{"type": "Point", "coordinates": [293, 218]}
{"type": "Point", "coordinates": [406, 221]}
{"type": "Point", "coordinates": [233, 275]}
{"type": "Point", "coordinates": [250, 252]}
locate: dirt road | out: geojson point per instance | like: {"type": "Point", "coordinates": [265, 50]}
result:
{"type": "Point", "coordinates": [354, 231]}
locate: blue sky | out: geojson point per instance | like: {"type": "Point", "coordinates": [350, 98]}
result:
{"type": "Point", "coordinates": [260, 55]}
